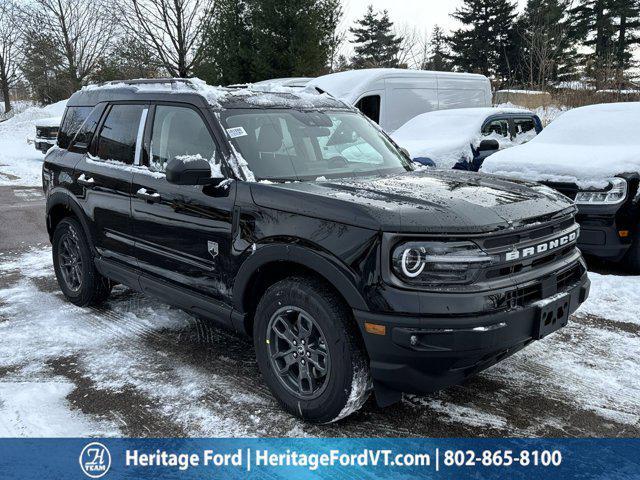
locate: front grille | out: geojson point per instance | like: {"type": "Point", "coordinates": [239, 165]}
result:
{"type": "Point", "coordinates": [503, 245]}
{"type": "Point", "coordinates": [569, 277]}
{"type": "Point", "coordinates": [526, 295]}
{"type": "Point", "coordinates": [47, 132]}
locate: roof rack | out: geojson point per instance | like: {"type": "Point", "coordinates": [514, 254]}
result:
{"type": "Point", "coordinates": [153, 81]}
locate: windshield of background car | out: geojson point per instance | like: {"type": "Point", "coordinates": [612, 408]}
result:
{"type": "Point", "coordinates": [305, 145]}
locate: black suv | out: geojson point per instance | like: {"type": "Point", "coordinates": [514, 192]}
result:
{"type": "Point", "coordinates": [292, 218]}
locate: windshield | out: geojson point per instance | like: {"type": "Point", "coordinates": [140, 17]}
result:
{"type": "Point", "coordinates": [296, 145]}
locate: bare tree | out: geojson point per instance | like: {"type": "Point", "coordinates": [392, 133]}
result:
{"type": "Point", "coordinates": [9, 50]}
{"type": "Point", "coordinates": [80, 30]}
{"type": "Point", "coordinates": [409, 51]}
{"type": "Point", "coordinates": [170, 28]}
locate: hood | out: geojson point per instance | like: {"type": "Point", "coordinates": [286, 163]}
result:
{"type": "Point", "coordinates": [585, 165]}
{"type": "Point", "coordinates": [49, 122]}
{"type": "Point", "coordinates": [427, 201]}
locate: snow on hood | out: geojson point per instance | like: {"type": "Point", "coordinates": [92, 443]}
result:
{"type": "Point", "coordinates": [49, 122]}
{"type": "Point", "coordinates": [582, 145]}
{"type": "Point", "coordinates": [446, 136]}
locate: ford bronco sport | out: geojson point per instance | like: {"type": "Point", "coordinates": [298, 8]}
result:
{"type": "Point", "coordinates": [292, 218]}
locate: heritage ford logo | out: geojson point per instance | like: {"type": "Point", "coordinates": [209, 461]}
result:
{"type": "Point", "coordinates": [519, 253]}
{"type": "Point", "coordinates": [95, 460]}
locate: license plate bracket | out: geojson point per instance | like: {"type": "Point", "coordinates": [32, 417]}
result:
{"type": "Point", "coordinates": [552, 316]}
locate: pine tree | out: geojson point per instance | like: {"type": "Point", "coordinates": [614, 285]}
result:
{"type": "Point", "coordinates": [548, 53]}
{"type": "Point", "coordinates": [228, 45]}
{"type": "Point", "coordinates": [627, 25]}
{"type": "Point", "coordinates": [293, 37]}
{"type": "Point", "coordinates": [488, 42]}
{"type": "Point", "coordinates": [375, 43]}
{"type": "Point", "coordinates": [437, 58]}
{"type": "Point", "coordinates": [593, 26]}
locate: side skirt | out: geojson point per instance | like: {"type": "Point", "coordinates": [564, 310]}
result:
{"type": "Point", "coordinates": [171, 294]}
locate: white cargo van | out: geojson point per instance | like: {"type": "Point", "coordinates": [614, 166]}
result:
{"type": "Point", "coordinates": [391, 96]}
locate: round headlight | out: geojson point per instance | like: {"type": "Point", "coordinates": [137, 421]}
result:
{"type": "Point", "coordinates": [413, 262]}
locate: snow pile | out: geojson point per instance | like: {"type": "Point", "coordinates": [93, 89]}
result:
{"type": "Point", "coordinates": [21, 163]}
{"type": "Point", "coordinates": [447, 136]}
{"type": "Point", "coordinates": [585, 144]}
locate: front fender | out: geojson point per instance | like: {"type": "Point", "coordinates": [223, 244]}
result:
{"type": "Point", "coordinates": [320, 262]}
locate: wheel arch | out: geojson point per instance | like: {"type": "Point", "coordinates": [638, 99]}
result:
{"type": "Point", "coordinates": [273, 263]}
{"type": "Point", "coordinates": [61, 205]}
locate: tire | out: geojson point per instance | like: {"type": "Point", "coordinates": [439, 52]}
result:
{"type": "Point", "coordinates": [632, 258]}
{"type": "Point", "coordinates": [77, 276]}
{"type": "Point", "coordinates": [346, 385]}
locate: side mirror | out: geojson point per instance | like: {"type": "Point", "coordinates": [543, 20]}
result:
{"type": "Point", "coordinates": [488, 146]}
{"type": "Point", "coordinates": [185, 170]}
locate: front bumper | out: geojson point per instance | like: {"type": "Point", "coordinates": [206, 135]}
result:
{"type": "Point", "coordinates": [44, 145]}
{"type": "Point", "coordinates": [449, 349]}
{"type": "Point", "coordinates": [599, 236]}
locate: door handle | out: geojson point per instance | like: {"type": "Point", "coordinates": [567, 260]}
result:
{"type": "Point", "coordinates": [86, 182]}
{"type": "Point", "coordinates": [147, 196]}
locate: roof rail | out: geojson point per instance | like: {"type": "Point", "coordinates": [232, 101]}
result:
{"type": "Point", "coordinates": [153, 81]}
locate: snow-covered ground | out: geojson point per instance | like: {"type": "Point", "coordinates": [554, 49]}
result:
{"type": "Point", "coordinates": [20, 163]}
{"type": "Point", "coordinates": [137, 367]}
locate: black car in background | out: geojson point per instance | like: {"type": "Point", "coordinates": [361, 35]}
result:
{"type": "Point", "coordinates": [592, 155]}
{"type": "Point", "coordinates": [291, 218]}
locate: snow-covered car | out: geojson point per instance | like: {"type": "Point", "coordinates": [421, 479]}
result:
{"type": "Point", "coordinates": [592, 155]}
{"type": "Point", "coordinates": [46, 133]}
{"type": "Point", "coordinates": [462, 138]}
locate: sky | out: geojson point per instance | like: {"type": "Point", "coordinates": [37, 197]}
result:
{"type": "Point", "coordinates": [421, 14]}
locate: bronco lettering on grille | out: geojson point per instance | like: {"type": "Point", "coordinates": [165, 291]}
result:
{"type": "Point", "coordinates": [518, 253]}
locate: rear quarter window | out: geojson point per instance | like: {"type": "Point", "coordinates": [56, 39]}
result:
{"type": "Point", "coordinates": [73, 119]}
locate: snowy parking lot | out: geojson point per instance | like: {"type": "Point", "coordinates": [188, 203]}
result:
{"type": "Point", "coordinates": [136, 367]}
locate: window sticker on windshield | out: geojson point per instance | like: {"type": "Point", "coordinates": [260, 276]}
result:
{"type": "Point", "coordinates": [236, 132]}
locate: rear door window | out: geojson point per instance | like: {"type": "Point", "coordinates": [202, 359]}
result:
{"type": "Point", "coordinates": [119, 132]}
{"type": "Point", "coordinates": [73, 119]}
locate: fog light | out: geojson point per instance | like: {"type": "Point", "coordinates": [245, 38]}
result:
{"type": "Point", "coordinates": [623, 233]}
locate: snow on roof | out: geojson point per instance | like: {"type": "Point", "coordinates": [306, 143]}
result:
{"type": "Point", "coordinates": [293, 82]}
{"type": "Point", "coordinates": [264, 95]}
{"type": "Point", "coordinates": [350, 84]}
{"type": "Point", "coordinates": [444, 136]}
{"type": "Point", "coordinates": [587, 143]}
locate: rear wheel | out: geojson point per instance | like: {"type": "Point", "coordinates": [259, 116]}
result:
{"type": "Point", "coordinates": [308, 351]}
{"type": "Point", "coordinates": [73, 263]}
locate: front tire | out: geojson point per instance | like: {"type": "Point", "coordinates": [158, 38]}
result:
{"type": "Point", "coordinates": [77, 276]}
{"type": "Point", "coordinates": [309, 352]}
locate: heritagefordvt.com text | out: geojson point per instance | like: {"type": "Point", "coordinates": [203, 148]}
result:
{"type": "Point", "coordinates": [250, 458]}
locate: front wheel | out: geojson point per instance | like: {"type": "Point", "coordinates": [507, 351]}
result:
{"type": "Point", "coordinates": [309, 352]}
